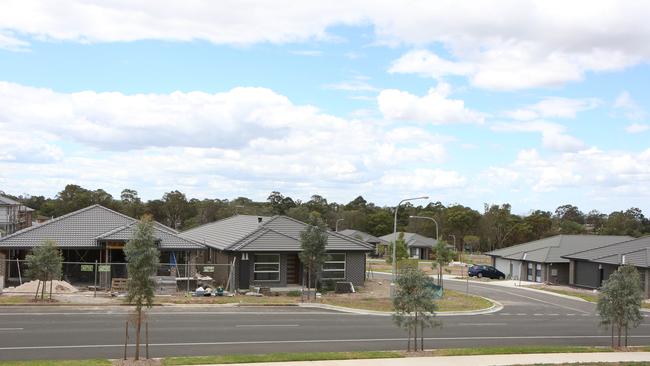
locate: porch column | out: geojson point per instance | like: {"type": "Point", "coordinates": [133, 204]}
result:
{"type": "Point", "coordinates": [3, 269]}
{"type": "Point", "coordinates": [572, 272]}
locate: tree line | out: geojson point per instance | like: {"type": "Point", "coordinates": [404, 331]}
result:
{"type": "Point", "coordinates": [495, 227]}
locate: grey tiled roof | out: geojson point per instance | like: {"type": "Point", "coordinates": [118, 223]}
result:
{"type": "Point", "coordinates": [552, 249]}
{"type": "Point", "coordinates": [83, 228]}
{"type": "Point", "coordinates": [4, 200]}
{"type": "Point", "coordinates": [412, 240]}
{"type": "Point", "coordinates": [370, 239]}
{"type": "Point", "coordinates": [223, 233]}
{"type": "Point", "coordinates": [166, 239]}
{"type": "Point", "coordinates": [277, 233]}
{"type": "Point", "coordinates": [636, 252]}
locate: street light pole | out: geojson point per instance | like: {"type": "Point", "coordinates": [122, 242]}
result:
{"type": "Point", "coordinates": [428, 218]}
{"type": "Point", "coordinates": [336, 226]}
{"type": "Point", "coordinates": [394, 269]}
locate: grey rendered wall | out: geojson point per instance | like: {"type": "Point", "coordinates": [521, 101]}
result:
{"type": "Point", "coordinates": [355, 267]}
{"type": "Point", "coordinates": [587, 274]}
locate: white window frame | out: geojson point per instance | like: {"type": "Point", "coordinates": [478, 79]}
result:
{"type": "Point", "coordinates": [344, 270]}
{"type": "Point", "coordinates": [255, 263]}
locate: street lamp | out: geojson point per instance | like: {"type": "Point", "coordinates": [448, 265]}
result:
{"type": "Point", "coordinates": [428, 218]}
{"type": "Point", "coordinates": [392, 283]}
{"type": "Point", "coordinates": [336, 226]}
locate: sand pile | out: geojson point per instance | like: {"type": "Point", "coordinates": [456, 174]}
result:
{"type": "Point", "coordinates": [58, 287]}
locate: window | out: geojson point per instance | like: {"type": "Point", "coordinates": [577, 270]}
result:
{"type": "Point", "coordinates": [538, 273]}
{"type": "Point", "coordinates": [334, 267]}
{"type": "Point", "coordinates": [529, 272]}
{"type": "Point", "coordinates": [266, 267]}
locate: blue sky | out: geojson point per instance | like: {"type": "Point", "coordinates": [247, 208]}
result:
{"type": "Point", "coordinates": [466, 105]}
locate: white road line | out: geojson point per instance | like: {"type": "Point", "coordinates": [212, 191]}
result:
{"type": "Point", "coordinates": [537, 314]}
{"type": "Point", "coordinates": [521, 314]}
{"type": "Point", "coordinates": [570, 314]}
{"type": "Point", "coordinates": [366, 340]}
{"type": "Point", "coordinates": [553, 314]}
{"type": "Point", "coordinates": [11, 329]}
{"type": "Point", "coordinates": [480, 324]}
{"type": "Point", "coordinates": [266, 325]}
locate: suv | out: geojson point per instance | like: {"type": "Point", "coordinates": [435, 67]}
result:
{"type": "Point", "coordinates": [481, 271]}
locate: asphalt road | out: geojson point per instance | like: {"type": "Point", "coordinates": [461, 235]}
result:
{"type": "Point", "coordinates": [527, 318]}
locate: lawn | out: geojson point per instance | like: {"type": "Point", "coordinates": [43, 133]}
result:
{"type": "Point", "coordinates": [451, 301]}
{"type": "Point", "coordinates": [5, 299]}
{"type": "Point", "coordinates": [279, 357]}
{"type": "Point", "coordinates": [591, 297]}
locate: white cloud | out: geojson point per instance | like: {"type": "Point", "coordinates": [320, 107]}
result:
{"type": "Point", "coordinates": [503, 45]}
{"type": "Point", "coordinates": [355, 85]}
{"type": "Point", "coordinates": [553, 107]}
{"type": "Point", "coordinates": [630, 108]}
{"type": "Point", "coordinates": [424, 180]}
{"type": "Point", "coordinates": [554, 135]}
{"type": "Point", "coordinates": [603, 173]}
{"type": "Point", "coordinates": [435, 107]}
{"type": "Point", "coordinates": [246, 140]}
{"type": "Point", "coordinates": [637, 128]}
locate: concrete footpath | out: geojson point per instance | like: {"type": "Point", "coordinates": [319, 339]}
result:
{"type": "Point", "coordinates": [483, 360]}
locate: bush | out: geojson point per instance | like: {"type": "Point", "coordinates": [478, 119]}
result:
{"type": "Point", "coordinates": [327, 286]}
{"type": "Point", "coordinates": [407, 263]}
{"type": "Point", "coordinates": [294, 293]}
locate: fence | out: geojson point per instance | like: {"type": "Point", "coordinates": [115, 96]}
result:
{"type": "Point", "coordinates": [100, 276]}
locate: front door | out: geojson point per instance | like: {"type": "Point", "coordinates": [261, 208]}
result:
{"type": "Point", "coordinates": [293, 269]}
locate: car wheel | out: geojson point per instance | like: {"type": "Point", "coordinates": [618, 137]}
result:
{"type": "Point", "coordinates": [502, 278]}
{"type": "Point", "coordinates": [479, 275]}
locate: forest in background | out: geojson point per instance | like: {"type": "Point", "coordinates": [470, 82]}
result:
{"type": "Point", "coordinates": [495, 227]}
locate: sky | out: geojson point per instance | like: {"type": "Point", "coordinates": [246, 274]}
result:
{"type": "Point", "coordinates": [534, 103]}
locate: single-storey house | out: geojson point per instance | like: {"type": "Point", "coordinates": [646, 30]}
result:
{"type": "Point", "coordinates": [376, 242]}
{"type": "Point", "coordinates": [419, 246]}
{"type": "Point", "coordinates": [542, 260]}
{"type": "Point", "coordinates": [265, 251]}
{"type": "Point", "coordinates": [94, 233]}
{"type": "Point", "coordinates": [589, 268]}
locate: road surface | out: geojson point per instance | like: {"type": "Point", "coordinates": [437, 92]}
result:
{"type": "Point", "coordinates": [527, 318]}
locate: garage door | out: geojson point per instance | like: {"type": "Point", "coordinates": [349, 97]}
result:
{"type": "Point", "coordinates": [587, 274]}
{"type": "Point", "coordinates": [506, 266]}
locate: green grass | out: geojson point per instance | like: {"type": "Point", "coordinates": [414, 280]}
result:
{"type": "Point", "coordinates": [5, 299]}
{"type": "Point", "coordinates": [57, 363]}
{"type": "Point", "coordinates": [279, 357]}
{"type": "Point", "coordinates": [582, 295]}
{"type": "Point", "coordinates": [517, 350]}
{"type": "Point", "coordinates": [451, 301]}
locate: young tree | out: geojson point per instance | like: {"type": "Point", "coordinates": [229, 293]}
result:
{"type": "Point", "coordinates": [413, 304]}
{"type": "Point", "coordinates": [143, 258]}
{"type": "Point", "coordinates": [313, 241]}
{"type": "Point", "coordinates": [45, 263]}
{"type": "Point", "coordinates": [619, 303]}
{"type": "Point", "coordinates": [444, 255]}
{"type": "Point", "coordinates": [402, 250]}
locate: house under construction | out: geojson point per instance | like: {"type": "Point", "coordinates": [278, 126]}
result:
{"type": "Point", "coordinates": [14, 216]}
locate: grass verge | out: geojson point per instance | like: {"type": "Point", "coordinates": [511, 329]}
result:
{"type": "Point", "coordinates": [279, 357]}
{"type": "Point", "coordinates": [451, 301]}
{"type": "Point", "coordinates": [582, 295]}
{"type": "Point", "coordinates": [510, 350]}
{"type": "Point", "coordinates": [6, 299]}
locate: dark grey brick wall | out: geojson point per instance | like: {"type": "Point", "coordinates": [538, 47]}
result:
{"type": "Point", "coordinates": [355, 267]}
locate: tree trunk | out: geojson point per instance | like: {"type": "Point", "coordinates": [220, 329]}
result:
{"type": "Point", "coordinates": [626, 327]}
{"type": "Point", "coordinates": [422, 337]}
{"type": "Point", "coordinates": [51, 289]}
{"type": "Point", "coordinates": [309, 283]}
{"type": "Point", "coordinates": [38, 290]}
{"type": "Point", "coordinates": [415, 333]}
{"type": "Point", "coordinates": [137, 335]}
{"type": "Point", "coordinates": [612, 335]}
{"type": "Point", "coordinates": [408, 343]}
{"type": "Point", "coordinates": [43, 289]}
{"type": "Point", "coordinates": [619, 335]}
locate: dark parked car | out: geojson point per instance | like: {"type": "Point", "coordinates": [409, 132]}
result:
{"type": "Point", "coordinates": [481, 271]}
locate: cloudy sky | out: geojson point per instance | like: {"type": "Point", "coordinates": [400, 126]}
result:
{"type": "Point", "coordinates": [536, 103]}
